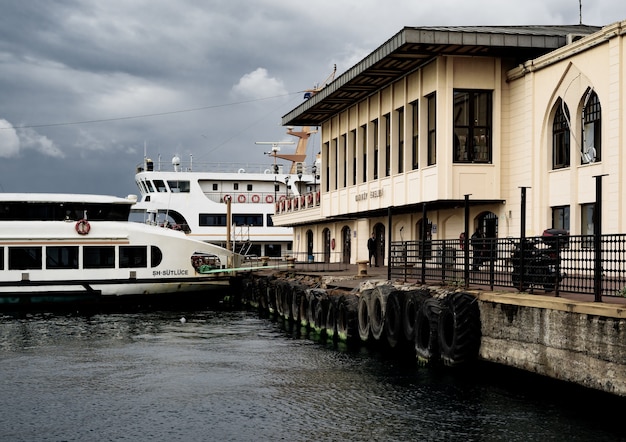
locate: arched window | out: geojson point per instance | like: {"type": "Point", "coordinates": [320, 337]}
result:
{"type": "Point", "coordinates": [561, 136]}
{"type": "Point", "coordinates": [591, 133]}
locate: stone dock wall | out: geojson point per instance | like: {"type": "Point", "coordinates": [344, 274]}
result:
{"type": "Point", "coordinates": [579, 342]}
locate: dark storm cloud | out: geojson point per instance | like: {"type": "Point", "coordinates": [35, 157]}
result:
{"type": "Point", "coordinates": [243, 62]}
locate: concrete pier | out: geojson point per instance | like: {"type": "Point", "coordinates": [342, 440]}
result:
{"type": "Point", "coordinates": [570, 338]}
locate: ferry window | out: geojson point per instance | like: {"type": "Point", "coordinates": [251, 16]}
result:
{"type": "Point", "coordinates": [63, 257]}
{"type": "Point", "coordinates": [156, 256]}
{"type": "Point", "coordinates": [99, 257]}
{"type": "Point", "coordinates": [148, 184]}
{"type": "Point", "coordinates": [235, 186]}
{"type": "Point", "coordinates": [248, 220]}
{"type": "Point", "coordinates": [160, 186]}
{"type": "Point", "coordinates": [215, 186]}
{"type": "Point", "coordinates": [179, 186]}
{"type": "Point", "coordinates": [1, 258]}
{"type": "Point", "coordinates": [276, 187]}
{"type": "Point", "coordinates": [254, 250]}
{"type": "Point", "coordinates": [249, 187]}
{"type": "Point", "coordinates": [25, 258]}
{"type": "Point", "coordinates": [270, 221]}
{"type": "Point", "coordinates": [272, 250]}
{"type": "Point", "coordinates": [133, 257]}
{"type": "Point", "coordinates": [206, 219]}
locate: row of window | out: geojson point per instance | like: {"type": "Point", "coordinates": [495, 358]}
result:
{"type": "Point", "coordinates": [177, 186]}
{"type": "Point", "coordinates": [219, 220]}
{"type": "Point", "coordinates": [472, 133]}
{"type": "Point", "coordinates": [68, 257]}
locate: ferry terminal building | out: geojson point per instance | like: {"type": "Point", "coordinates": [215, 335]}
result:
{"type": "Point", "coordinates": [437, 116]}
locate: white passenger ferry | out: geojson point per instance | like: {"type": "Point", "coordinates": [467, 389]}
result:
{"type": "Point", "coordinates": [230, 205]}
{"type": "Point", "coordinates": [72, 246]}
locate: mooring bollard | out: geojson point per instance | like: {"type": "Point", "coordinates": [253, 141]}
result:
{"type": "Point", "coordinates": [264, 260]}
{"type": "Point", "coordinates": [291, 262]}
{"type": "Point", "coordinates": [362, 268]}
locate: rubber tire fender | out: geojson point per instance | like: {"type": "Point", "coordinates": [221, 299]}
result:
{"type": "Point", "coordinates": [413, 300]}
{"type": "Point", "coordinates": [377, 309]}
{"type": "Point", "coordinates": [332, 307]}
{"type": "Point", "coordinates": [364, 315]}
{"type": "Point", "coordinates": [393, 318]}
{"type": "Point", "coordinates": [347, 317]}
{"type": "Point", "coordinates": [426, 330]}
{"type": "Point", "coordinates": [459, 329]}
{"type": "Point", "coordinates": [297, 293]}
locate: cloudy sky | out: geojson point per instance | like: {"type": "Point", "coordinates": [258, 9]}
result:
{"type": "Point", "coordinates": [85, 85]}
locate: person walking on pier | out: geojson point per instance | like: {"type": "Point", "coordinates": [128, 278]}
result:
{"type": "Point", "coordinates": [371, 247]}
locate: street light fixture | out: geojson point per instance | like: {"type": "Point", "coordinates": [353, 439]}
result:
{"type": "Point", "coordinates": [314, 170]}
{"type": "Point", "coordinates": [287, 186]}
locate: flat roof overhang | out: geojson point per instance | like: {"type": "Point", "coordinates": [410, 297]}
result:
{"type": "Point", "coordinates": [412, 48]}
{"type": "Point", "coordinates": [430, 206]}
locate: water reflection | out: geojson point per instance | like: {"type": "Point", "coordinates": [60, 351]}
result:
{"type": "Point", "coordinates": [235, 376]}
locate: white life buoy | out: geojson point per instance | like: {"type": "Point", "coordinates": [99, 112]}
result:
{"type": "Point", "coordinates": [255, 198]}
{"type": "Point", "coordinates": [241, 198]}
{"type": "Point", "coordinates": [83, 227]}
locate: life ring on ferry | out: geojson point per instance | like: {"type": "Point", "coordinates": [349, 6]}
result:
{"type": "Point", "coordinates": [282, 198]}
{"type": "Point", "coordinates": [255, 198]}
{"type": "Point", "coordinates": [241, 198]}
{"type": "Point", "coordinates": [83, 227]}
{"type": "Point", "coordinates": [269, 199]}
{"type": "Point", "coordinates": [310, 198]}
{"type": "Point", "coordinates": [226, 198]}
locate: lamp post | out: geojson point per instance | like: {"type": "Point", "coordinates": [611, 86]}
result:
{"type": "Point", "coordinates": [314, 170]}
{"type": "Point", "coordinates": [287, 186]}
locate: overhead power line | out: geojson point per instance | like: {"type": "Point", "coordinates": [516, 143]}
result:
{"type": "Point", "coordinates": [132, 117]}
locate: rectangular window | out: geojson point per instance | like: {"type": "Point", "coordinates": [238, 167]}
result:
{"type": "Point", "coordinates": [414, 135]}
{"type": "Point", "coordinates": [354, 155]}
{"type": "Point", "coordinates": [375, 141]}
{"type": "Point", "coordinates": [25, 258]}
{"type": "Point", "coordinates": [98, 257]}
{"type": "Point", "coordinates": [1, 258]}
{"type": "Point", "coordinates": [363, 138]}
{"type": "Point", "coordinates": [587, 223]}
{"type": "Point", "coordinates": [400, 115]}
{"type": "Point", "coordinates": [132, 257]}
{"type": "Point", "coordinates": [325, 160]}
{"type": "Point", "coordinates": [249, 187]}
{"type": "Point", "coordinates": [211, 219]}
{"type": "Point", "coordinates": [344, 139]}
{"type": "Point", "coordinates": [560, 217]}
{"type": "Point", "coordinates": [387, 136]}
{"type": "Point", "coordinates": [472, 126]}
{"type": "Point", "coordinates": [432, 129]}
{"type": "Point", "coordinates": [235, 186]}
{"type": "Point", "coordinates": [62, 257]}
{"type": "Point", "coordinates": [160, 186]}
{"type": "Point", "coordinates": [273, 250]}
{"type": "Point", "coordinates": [248, 220]}
{"type": "Point", "coordinates": [214, 187]}
{"type": "Point", "coordinates": [269, 220]}
{"type": "Point", "coordinates": [149, 186]}
{"type": "Point", "coordinates": [179, 186]}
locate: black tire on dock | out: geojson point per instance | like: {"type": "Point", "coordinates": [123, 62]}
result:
{"type": "Point", "coordinates": [378, 306]}
{"type": "Point", "coordinates": [459, 329]}
{"type": "Point", "coordinates": [271, 296]}
{"type": "Point", "coordinates": [314, 297]}
{"type": "Point", "coordinates": [287, 299]}
{"type": "Point", "coordinates": [304, 308]}
{"type": "Point", "coordinates": [332, 306]}
{"type": "Point", "coordinates": [297, 293]}
{"type": "Point", "coordinates": [319, 324]}
{"type": "Point", "coordinates": [347, 317]}
{"type": "Point", "coordinates": [426, 326]}
{"type": "Point", "coordinates": [364, 315]}
{"type": "Point", "coordinates": [393, 318]}
{"type": "Point", "coordinates": [413, 300]}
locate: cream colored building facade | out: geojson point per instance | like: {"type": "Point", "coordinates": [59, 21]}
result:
{"type": "Point", "coordinates": [438, 115]}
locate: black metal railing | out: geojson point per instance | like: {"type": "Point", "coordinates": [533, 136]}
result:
{"type": "Point", "coordinates": [551, 264]}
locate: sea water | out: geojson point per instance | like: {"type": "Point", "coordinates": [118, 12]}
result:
{"type": "Point", "coordinates": [234, 376]}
